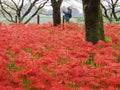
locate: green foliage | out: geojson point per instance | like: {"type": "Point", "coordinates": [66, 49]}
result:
{"type": "Point", "coordinates": [53, 74]}
{"type": "Point", "coordinates": [48, 48]}
{"type": "Point", "coordinates": [117, 57]}
{"type": "Point", "coordinates": [11, 54]}
{"type": "Point", "coordinates": [38, 56]}
{"type": "Point", "coordinates": [28, 50]}
{"type": "Point", "coordinates": [72, 85]}
{"type": "Point", "coordinates": [108, 39]}
{"type": "Point", "coordinates": [64, 60]}
{"type": "Point", "coordinates": [90, 61]}
{"type": "Point", "coordinates": [117, 47]}
{"type": "Point", "coordinates": [12, 65]}
{"type": "Point", "coordinates": [27, 83]}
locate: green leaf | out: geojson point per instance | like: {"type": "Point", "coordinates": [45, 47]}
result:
{"type": "Point", "coordinates": [28, 50]}
{"type": "Point", "coordinates": [12, 65]}
{"type": "Point", "coordinates": [64, 60]}
{"type": "Point", "coordinates": [11, 54]}
{"type": "Point", "coordinates": [108, 38]}
{"type": "Point", "coordinates": [27, 83]}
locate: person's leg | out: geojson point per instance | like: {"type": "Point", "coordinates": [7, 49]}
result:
{"type": "Point", "coordinates": [67, 19]}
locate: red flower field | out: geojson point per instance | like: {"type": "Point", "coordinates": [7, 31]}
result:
{"type": "Point", "coordinates": [43, 57]}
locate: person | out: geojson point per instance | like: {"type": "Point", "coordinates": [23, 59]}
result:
{"type": "Point", "coordinates": [68, 14]}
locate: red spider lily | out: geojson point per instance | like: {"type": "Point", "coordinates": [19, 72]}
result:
{"type": "Point", "coordinates": [49, 58]}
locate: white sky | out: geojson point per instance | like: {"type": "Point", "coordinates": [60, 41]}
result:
{"type": "Point", "coordinates": [71, 3]}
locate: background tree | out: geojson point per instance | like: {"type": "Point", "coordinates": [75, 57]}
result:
{"type": "Point", "coordinates": [25, 10]}
{"type": "Point", "coordinates": [111, 9]}
{"type": "Point", "coordinates": [93, 20]}
{"type": "Point", "coordinates": [56, 11]}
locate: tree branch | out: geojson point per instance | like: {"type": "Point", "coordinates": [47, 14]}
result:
{"type": "Point", "coordinates": [40, 6]}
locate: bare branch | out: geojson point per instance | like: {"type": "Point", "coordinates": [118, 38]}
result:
{"type": "Point", "coordinates": [15, 4]}
{"type": "Point", "coordinates": [30, 8]}
{"type": "Point", "coordinates": [19, 8]}
{"type": "Point", "coordinates": [9, 14]}
{"type": "Point", "coordinates": [111, 9]}
{"type": "Point", "coordinates": [9, 6]}
{"type": "Point", "coordinates": [40, 6]}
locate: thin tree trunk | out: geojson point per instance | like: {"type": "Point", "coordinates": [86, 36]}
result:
{"type": "Point", "coordinates": [56, 16]}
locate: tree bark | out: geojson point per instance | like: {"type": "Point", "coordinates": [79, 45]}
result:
{"type": "Point", "coordinates": [93, 21]}
{"type": "Point", "coordinates": [56, 11]}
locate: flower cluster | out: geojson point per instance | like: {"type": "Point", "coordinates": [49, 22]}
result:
{"type": "Point", "coordinates": [43, 57]}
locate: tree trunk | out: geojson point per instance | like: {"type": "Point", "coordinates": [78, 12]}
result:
{"type": "Point", "coordinates": [93, 21]}
{"type": "Point", "coordinates": [56, 11]}
{"type": "Point", "coordinates": [56, 16]}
